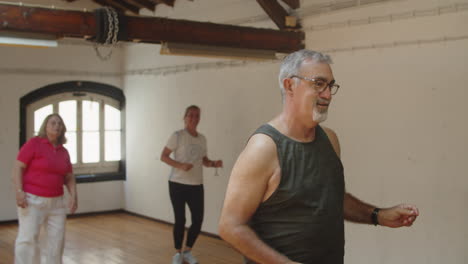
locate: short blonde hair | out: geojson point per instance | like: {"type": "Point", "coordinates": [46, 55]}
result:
{"type": "Point", "coordinates": [192, 107]}
{"type": "Point", "coordinates": [42, 131]}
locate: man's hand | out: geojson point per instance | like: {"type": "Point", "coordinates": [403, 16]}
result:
{"type": "Point", "coordinates": [21, 199]}
{"type": "Point", "coordinates": [398, 216]}
{"type": "Point", "coordinates": [186, 166]}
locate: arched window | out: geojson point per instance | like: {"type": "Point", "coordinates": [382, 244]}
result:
{"type": "Point", "coordinates": [93, 114]}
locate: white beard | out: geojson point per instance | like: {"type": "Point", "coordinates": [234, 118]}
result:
{"type": "Point", "coordinates": [319, 117]}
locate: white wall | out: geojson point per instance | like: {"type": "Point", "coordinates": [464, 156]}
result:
{"type": "Point", "coordinates": [23, 70]}
{"type": "Point", "coordinates": [401, 119]}
{"type": "Point", "coordinates": [399, 115]}
{"type": "Point", "coordinates": [230, 112]}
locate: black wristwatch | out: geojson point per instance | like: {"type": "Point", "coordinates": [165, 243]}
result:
{"type": "Point", "coordinates": [374, 214]}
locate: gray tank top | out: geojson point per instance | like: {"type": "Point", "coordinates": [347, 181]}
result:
{"type": "Point", "coordinates": [303, 218]}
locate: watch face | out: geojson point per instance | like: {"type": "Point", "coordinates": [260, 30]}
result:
{"type": "Point", "coordinates": [375, 221]}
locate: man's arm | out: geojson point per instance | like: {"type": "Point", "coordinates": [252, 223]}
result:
{"type": "Point", "coordinates": [396, 216]}
{"type": "Point", "coordinates": [246, 190]}
{"type": "Point", "coordinates": [358, 211]}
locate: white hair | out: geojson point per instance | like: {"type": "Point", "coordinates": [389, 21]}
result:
{"type": "Point", "coordinates": [292, 63]}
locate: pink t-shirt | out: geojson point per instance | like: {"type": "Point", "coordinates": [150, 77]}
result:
{"type": "Point", "coordinates": [46, 167]}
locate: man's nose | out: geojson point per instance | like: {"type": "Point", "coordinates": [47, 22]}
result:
{"type": "Point", "coordinates": [326, 94]}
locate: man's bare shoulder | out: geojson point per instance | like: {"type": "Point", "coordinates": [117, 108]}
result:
{"type": "Point", "coordinates": [258, 157]}
{"type": "Point", "coordinates": [262, 144]}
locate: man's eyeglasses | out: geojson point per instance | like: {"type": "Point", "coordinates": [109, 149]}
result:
{"type": "Point", "coordinates": [320, 85]}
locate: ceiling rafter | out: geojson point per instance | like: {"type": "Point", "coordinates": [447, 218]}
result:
{"type": "Point", "coordinates": [166, 2]}
{"type": "Point", "coordinates": [104, 3]}
{"type": "Point", "coordinates": [294, 4]}
{"type": "Point", "coordinates": [277, 13]}
{"type": "Point", "coordinates": [143, 4]}
{"type": "Point", "coordinates": [120, 4]}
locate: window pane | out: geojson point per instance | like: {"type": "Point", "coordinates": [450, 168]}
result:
{"type": "Point", "coordinates": [90, 147]}
{"type": "Point", "coordinates": [112, 143]}
{"type": "Point", "coordinates": [67, 109]}
{"type": "Point", "coordinates": [112, 116]}
{"type": "Point", "coordinates": [90, 116]}
{"type": "Point", "coordinates": [39, 116]}
{"type": "Point", "coordinates": [71, 145]}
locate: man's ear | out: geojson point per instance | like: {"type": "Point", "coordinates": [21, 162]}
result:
{"type": "Point", "coordinates": [288, 84]}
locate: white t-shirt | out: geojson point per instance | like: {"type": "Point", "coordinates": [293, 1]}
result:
{"type": "Point", "coordinates": [187, 149]}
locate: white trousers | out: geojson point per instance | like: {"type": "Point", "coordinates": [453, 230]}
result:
{"type": "Point", "coordinates": [49, 213]}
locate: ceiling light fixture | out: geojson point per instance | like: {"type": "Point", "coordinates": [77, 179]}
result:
{"type": "Point", "coordinates": [183, 49]}
{"type": "Point", "coordinates": [27, 39]}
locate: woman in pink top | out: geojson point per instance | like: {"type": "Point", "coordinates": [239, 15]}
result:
{"type": "Point", "coordinates": [42, 168]}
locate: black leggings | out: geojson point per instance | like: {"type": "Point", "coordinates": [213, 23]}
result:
{"type": "Point", "coordinates": [193, 195]}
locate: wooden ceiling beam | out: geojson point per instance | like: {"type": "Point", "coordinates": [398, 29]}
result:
{"type": "Point", "coordinates": [294, 4]}
{"type": "Point", "coordinates": [81, 24]}
{"type": "Point", "coordinates": [57, 22]}
{"type": "Point", "coordinates": [276, 12]}
{"type": "Point", "coordinates": [157, 30]}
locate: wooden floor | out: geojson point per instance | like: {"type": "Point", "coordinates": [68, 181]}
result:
{"type": "Point", "coordinates": [122, 238]}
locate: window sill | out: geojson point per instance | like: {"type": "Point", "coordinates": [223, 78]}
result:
{"type": "Point", "coordinates": [99, 177]}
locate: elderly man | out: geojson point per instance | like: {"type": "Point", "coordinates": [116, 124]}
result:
{"type": "Point", "coordinates": [286, 200]}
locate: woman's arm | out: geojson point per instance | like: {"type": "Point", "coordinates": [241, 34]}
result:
{"type": "Point", "coordinates": [70, 183]}
{"type": "Point", "coordinates": [17, 179]}
{"type": "Point", "coordinates": [212, 163]}
{"type": "Point", "coordinates": [166, 158]}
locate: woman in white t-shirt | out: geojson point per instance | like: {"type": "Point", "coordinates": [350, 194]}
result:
{"type": "Point", "coordinates": [186, 181]}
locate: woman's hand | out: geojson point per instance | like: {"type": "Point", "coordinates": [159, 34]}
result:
{"type": "Point", "coordinates": [72, 204]}
{"type": "Point", "coordinates": [217, 163]}
{"type": "Point", "coordinates": [21, 199]}
{"type": "Point", "coordinates": [186, 166]}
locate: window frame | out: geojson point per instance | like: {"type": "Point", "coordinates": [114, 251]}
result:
{"type": "Point", "coordinates": [82, 87]}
